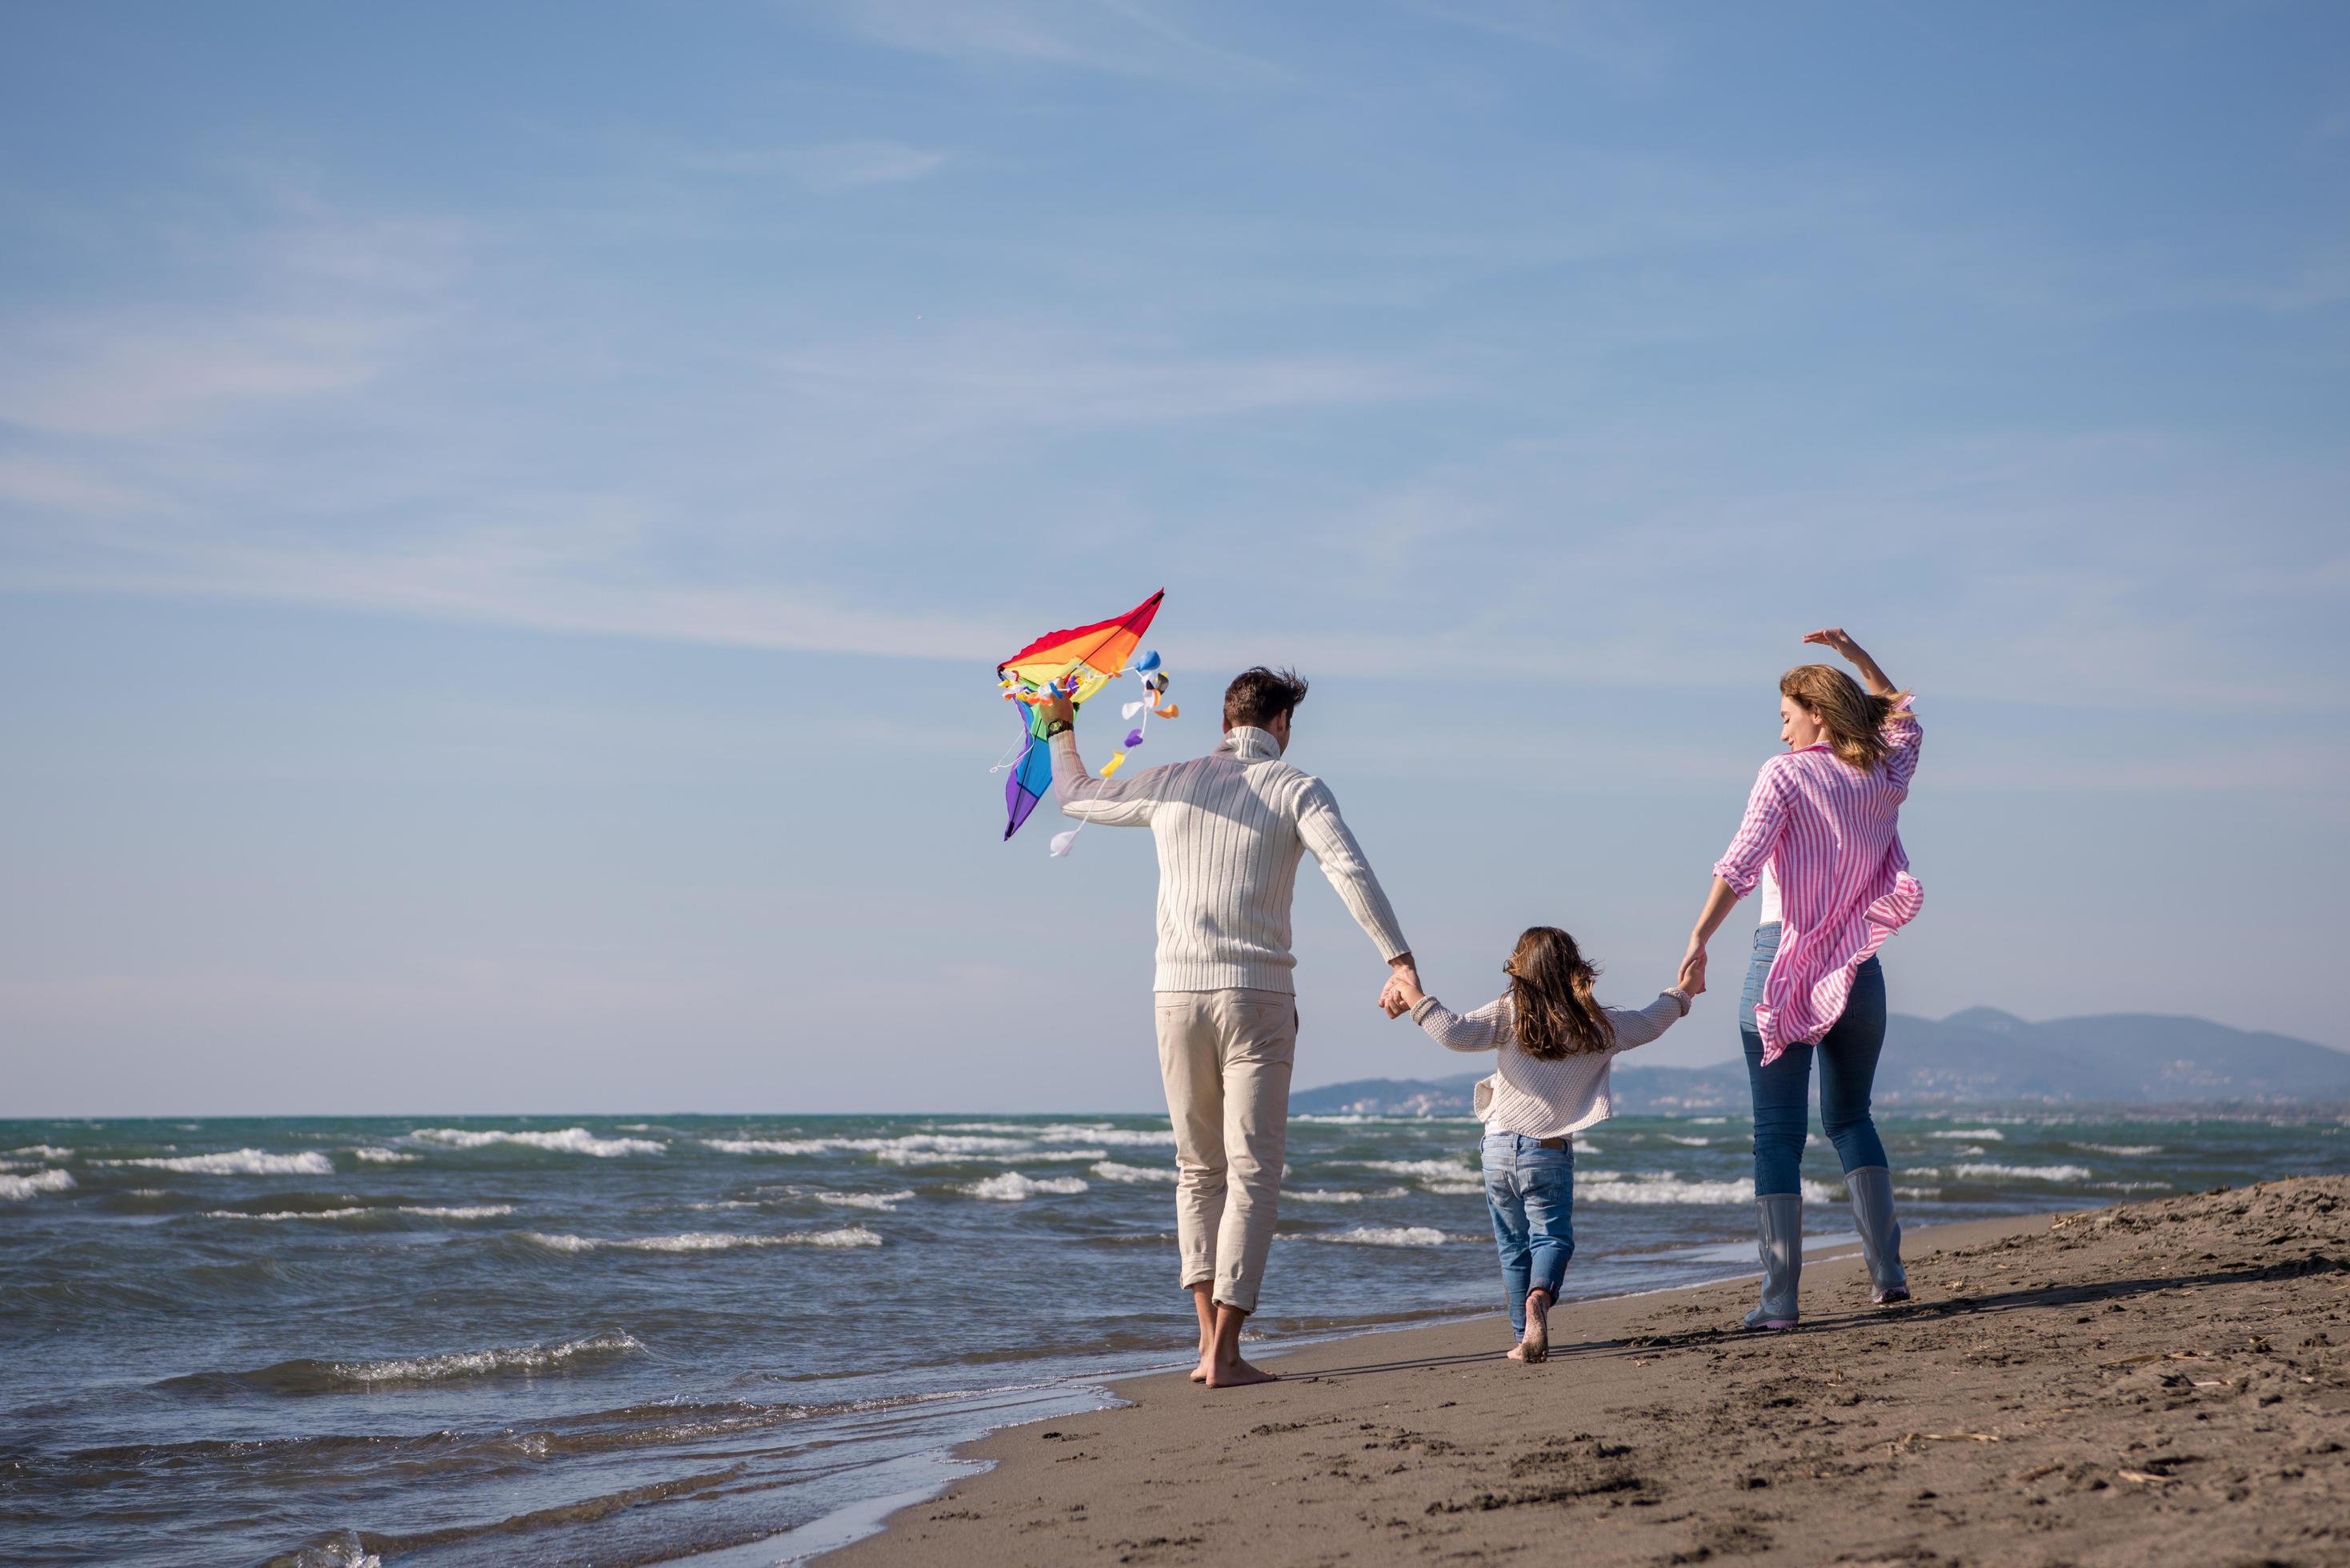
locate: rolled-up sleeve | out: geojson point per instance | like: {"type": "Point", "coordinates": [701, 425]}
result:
{"type": "Point", "coordinates": [1903, 736]}
{"type": "Point", "coordinates": [1742, 863]}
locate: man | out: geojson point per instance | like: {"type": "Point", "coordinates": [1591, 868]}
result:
{"type": "Point", "coordinates": [1230, 826]}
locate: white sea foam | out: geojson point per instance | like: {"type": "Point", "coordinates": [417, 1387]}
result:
{"type": "Point", "coordinates": [238, 1162]}
{"type": "Point", "coordinates": [953, 1157]}
{"type": "Point", "coordinates": [1011, 1187]}
{"type": "Point", "coordinates": [16, 1188]}
{"type": "Point", "coordinates": [775, 1145]}
{"type": "Point", "coordinates": [482, 1362]}
{"type": "Point", "coordinates": [1709, 1121]}
{"type": "Point", "coordinates": [882, 1202]}
{"type": "Point", "coordinates": [1916, 1192]}
{"type": "Point", "coordinates": [1308, 1194]}
{"type": "Point", "coordinates": [1655, 1190]}
{"type": "Point", "coordinates": [2122, 1148]}
{"type": "Point", "coordinates": [2026, 1172]}
{"type": "Point", "coordinates": [43, 1151]}
{"type": "Point", "coordinates": [1991, 1135]}
{"type": "Point", "coordinates": [429, 1211]}
{"type": "Point", "coordinates": [1111, 1170]}
{"type": "Point", "coordinates": [1585, 1145]}
{"type": "Point", "coordinates": [1070, 1132]}
{"type": "Point", "coordinates": [1688, 1142]}
{"type": "Point", "coordinates": [1390, 1236]}
{"type": "Point", "coordinates": [1452, 1188]}
{"type": "Point", "coordinates": [704, 1240]}
{"type": "Point", "coordinates": [569, 1140]}
{"type": "Point", "coordinates": [386, 1157]}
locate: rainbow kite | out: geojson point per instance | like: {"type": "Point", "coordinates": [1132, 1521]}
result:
{"type": "Point", "coordinates": [1079, 663]}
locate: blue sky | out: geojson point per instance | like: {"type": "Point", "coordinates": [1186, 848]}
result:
{"type": "Point", "coordinates": [507, 516]}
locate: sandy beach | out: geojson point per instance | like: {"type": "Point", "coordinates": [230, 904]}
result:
{"type": "Point", "coordinates": [2163, 1382]}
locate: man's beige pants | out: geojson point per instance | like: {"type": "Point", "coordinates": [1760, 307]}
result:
{"type": "Point", "coordinates": [1225, 1056]}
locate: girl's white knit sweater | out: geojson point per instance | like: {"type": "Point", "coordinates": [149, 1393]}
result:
{"type": "Point", "coordinates": [1538, 1098]}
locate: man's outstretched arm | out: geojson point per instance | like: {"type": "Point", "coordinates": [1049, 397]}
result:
{"type": "Point", "coordinates": [1334, 849]}
{"type": "Point", "coordinates": [1113, 803]}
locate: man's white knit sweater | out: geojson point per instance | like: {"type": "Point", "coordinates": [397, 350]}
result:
{"type": "Point", "coordinates": [1230, 828]}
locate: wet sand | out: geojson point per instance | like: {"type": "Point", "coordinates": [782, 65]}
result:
{"type": "Point", "coordinates": [2158, 1383]}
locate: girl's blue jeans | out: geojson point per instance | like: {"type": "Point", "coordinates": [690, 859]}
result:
{"type": "Point", "coordinates": [1531, 1190]}
{"type": "Point", "coordinates": [1848, 1054]}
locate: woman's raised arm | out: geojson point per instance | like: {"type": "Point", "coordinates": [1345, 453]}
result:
{"type": "Point", "coordinates": [1879, 684]}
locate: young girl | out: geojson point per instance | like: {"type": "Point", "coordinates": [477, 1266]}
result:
{"type": "Point", "coordinates": [1556, 1043]}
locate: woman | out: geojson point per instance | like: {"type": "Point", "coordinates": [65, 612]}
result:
{"type": "Point", "coordinates": [1821, 837]}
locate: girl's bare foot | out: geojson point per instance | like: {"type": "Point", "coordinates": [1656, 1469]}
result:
{"type": "Point", "coordinates": [1535, 1346]}
{"type": "Point", "coordinates": [1236, 1373]}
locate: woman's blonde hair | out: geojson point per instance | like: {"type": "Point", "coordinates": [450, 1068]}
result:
{"type": "Point", "coordinates": [1854, 720]}
{"type": "Point", "coordinates": [1550, 994]}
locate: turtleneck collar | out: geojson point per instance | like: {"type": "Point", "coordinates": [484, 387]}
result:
{"type": "Point", "coordinates": [1249, 744]}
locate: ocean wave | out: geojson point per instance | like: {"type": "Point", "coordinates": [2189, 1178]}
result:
{"type": "Point", "coordinates": [1453, 1188]}
{"type": "Point", "coordinates": [385, 1157]}
{"type": "Point", "coordinates": [916, 1149]}
{"type": "Point", "coordinates": [1441, 1170]}
{"type": "Point", "coordinates": [314, 1376]}
{"type": "Point", "coordinates": [1388, 1236]}
{"type": "Point", "coordinates": [1655, 1190]}
{"type": "Point", "coordinates": [1070, 1132]}
{"type": "Point", "coordinates": [43, 1151]}
{"type": "Point", "coordinates": [1709, 1121]}
{"type": "Point", "coordinates": [1110, 1170]}
{"type": "Point", "coordinates": [1013, 1187]}
{"type": "Point", "coordinates": [1990, 1135]}
{"type": "Point", "coordinates": [2122, 1148]}
{"type": "Point", "coordinates": [569, 1140]}
{"type": "Point", "coordinates": [429, 1211]}
{"type": "Point", "coordinates": [1310, 1195]}
{"type": "Point", "coordinates": [2025, 1172]}
{"type": "Point", "coordinates": [880, 1202]}
{"type": "Point", "coordinates": [702, 1241]}
{"type": "Point", "coordinates": [955, 1157]}
{"type": "Point", "coordinates": [14, 1188]}
{"type": "Point", "coordinates": [1688, 1142]}
{"type": "Point", "coordinates": [237, 1162]}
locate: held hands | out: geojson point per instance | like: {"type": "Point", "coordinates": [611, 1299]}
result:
{"type": "Point", "coordinates": [1692, 975]}
{"type": "Point", "coordinates": [1402, 993]}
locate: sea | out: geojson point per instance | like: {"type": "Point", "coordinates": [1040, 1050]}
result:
{"type": "Point", "coordinates": [742, 1340]}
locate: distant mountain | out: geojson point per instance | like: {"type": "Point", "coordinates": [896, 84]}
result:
{"type": "Point", "coordinates": [1981, 1057]}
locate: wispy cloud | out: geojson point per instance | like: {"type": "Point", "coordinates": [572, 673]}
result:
{"type": "Point", "coordinates": [1125, 37]}
{"type": "Point", "coordinates": [831, 166]}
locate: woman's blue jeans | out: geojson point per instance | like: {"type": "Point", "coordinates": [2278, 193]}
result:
{"type": "Point", "coordinates": [1782, 1091]}
{"type": "Point", "coordinates": [1531, 1190]}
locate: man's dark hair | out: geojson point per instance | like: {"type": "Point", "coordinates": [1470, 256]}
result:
{"type": "Point", "coordinates": [1257, 697]}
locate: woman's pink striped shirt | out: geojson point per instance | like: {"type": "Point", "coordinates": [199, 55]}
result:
{"type": "Point", "coordinates": [1830, 833]}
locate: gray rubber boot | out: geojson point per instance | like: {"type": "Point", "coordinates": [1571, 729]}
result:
{"type": "Point", "coordinates": [1779, 1231]}
{"type": "Point", "coordinates": [1871, 1187]}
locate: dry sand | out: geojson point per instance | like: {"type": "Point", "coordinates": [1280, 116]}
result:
{"type": "Point", "coordinates": [2161, 1383]}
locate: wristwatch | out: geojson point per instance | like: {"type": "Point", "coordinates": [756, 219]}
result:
{"type": "Point", "coordinates": [1056, 726]}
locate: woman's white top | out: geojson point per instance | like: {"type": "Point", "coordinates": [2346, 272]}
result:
{"type": "Point", "coordinates": [1535, 1098]}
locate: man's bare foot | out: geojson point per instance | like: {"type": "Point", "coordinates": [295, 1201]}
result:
{"type": "Point", "coordinates": [1535, 1346]}
{"type": "Point", "coordinates": [1199, 1373]}
{"type": "Point", "coordinates": [1237, 1374]}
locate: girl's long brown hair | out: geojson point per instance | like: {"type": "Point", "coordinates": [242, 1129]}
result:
{"type": "Point", "coordinates": [1854, 720]}
{"type": "Point", "coordinates": [1550, 993]}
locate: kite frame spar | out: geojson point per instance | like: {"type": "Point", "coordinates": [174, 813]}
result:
{"type": "Point", "coordinates": [1080, 662]}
